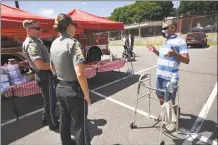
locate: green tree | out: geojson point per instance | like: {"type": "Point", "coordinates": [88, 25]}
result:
{"type": "Point", "coordinates": [198, 7]}
{"type": "Point", "coordinates": [143, 11]}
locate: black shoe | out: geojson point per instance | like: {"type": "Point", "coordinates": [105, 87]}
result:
{"type": "Point", "coordinates": [44, 122]}
{"type": "Point", "coordinates": [54, 127]}
{"type": "Point", "coordinates": [56, 118]}
{"type": "Point", "coordinates": [73, 142]}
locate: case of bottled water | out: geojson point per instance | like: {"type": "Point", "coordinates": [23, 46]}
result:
{"type": "Point", "coordinates": [4, 80]}
{"type": "Point", "coordinates": [15, 76]}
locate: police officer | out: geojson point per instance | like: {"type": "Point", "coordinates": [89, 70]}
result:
{"type": "Point", "coordinates": [67, 61]}
{"type": "Point", "coordinates": [39, 59]}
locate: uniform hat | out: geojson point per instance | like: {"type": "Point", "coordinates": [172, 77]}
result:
{"type": "Point", "coordinates": [169, 23]}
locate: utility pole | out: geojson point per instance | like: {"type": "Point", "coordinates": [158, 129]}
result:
{"type": "Point", "coordinates": [17, 4]}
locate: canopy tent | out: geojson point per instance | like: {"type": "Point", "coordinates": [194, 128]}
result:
{"type": "Point", "coordinates": [10, 14]}
{"type": "Point", "coordinates": [92, 22]}
{"type": "Point", "coordinates": [12, 18]}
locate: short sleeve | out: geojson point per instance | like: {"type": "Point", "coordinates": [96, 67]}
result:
{"type": "Point", "coordinates": [77, 54]}
{"type": "Point", "coordinates": [183, 47]}
{"type": "Point", "coordinates": [33, 51]}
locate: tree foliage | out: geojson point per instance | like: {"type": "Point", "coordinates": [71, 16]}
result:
{"type": "Point", "coordinates": [198, 7]}
{"type": "Point", "coordinates": [142, 11]}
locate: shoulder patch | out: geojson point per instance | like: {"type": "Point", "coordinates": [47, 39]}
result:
{"type": "Point", "coordinates": [33, 50]}
{"type": "Point", "coordinates": [78, 50]}
{"type": "Point", "coordinates": [76, 44]}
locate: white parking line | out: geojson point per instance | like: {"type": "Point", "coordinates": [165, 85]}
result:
{"type": "Point", "coordinates": [34, 112]}
{"type": "Point", "coordinates": [207, 140]}
{"type": "Point", "coordinates": [20, 117]}
{"type": "Point", "coordinates": [203, 139]}
{"type": "Point", "coordinates": [202, 115]}
{"type": "Point", "coordinates": [124, 78]}
{"type": "Point", "coordinates": [124, 105]}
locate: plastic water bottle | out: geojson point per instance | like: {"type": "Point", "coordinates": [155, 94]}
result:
{"type": "Point", "coordinates": [111, 57]}
{"type": "Point", "coordinates": [14, 74]}
{"type": "Point", "coordinates": [4, 80]}
{"type": "Point", "coordinates": [171, 85]}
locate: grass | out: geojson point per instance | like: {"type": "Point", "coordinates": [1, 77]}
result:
{"type": "Point", "coordinates": [212, 43]}
{"type": "Point", "coordinates": [209, 43]}
{"type": "Point", "coordinates": [134, 44]}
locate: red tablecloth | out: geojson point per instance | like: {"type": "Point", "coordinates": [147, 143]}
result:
{"type": "Point", "coordinates": [111, 65]}
{"type": "Point", "coordinates": [90, 71]}
{"type": "Point", "coordinates": [104, 66]}
{"type": "Point", "coordinates": [23, 90]}
{"type": "Point", "coordinates": [31, 88]}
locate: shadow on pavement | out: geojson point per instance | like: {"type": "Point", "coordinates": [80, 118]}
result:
{"type": "Point", "coordinates": [117, 87]}
{"type": "Point", "coordinates": [20, 128]}
{"type": "Point", "coordinates": [93, 126]}
{"type": "Point", "coordinates": [199, 47]}
{"type": "Point", "coordinates": [30, 124]}
{"type": "Point", "coordinates": [24, 105]}
{"type": "Point", "coordinates": [104, 78]}
{"type": "Point", "coordinates": [186, 125]}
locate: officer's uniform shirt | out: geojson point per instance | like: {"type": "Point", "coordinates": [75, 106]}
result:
{"type": "Point", "coordinates": [34, 48]}
{"type": "Point", "coordinates": [65, 54]}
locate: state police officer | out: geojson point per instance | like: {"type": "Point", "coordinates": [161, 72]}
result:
{"type": "Point", "coordinates": [39, 59]}
{"type": "Point", "coordinates": [67, 61]}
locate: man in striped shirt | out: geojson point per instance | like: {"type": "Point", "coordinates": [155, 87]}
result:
{"type": "Point", "coordinates": [170, 54]}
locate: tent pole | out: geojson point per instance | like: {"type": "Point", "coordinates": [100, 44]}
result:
{"type": "Point", "coordinates": [17, 4]}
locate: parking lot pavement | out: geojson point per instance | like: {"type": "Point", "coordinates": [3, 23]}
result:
{"type": "Point", "coordinates": [113, 105]}
{"type": "Point", "coordinates": [209, 128]}
{"type": "Point", "coordinates": [107, 126]}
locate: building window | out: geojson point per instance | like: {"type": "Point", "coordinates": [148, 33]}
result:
{"type": "Point", "coordinates": [198, 24]}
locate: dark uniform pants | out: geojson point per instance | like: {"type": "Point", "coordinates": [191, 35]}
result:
{"type": "Point", "coordinates": [73, 108]}
{"type": "Point", "coordinates": [128, 49]}
{"type": "Point", "coordinates": [49, 98]}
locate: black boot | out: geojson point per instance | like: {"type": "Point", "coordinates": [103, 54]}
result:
{"type": "Point", "coordinates": [54, 127]}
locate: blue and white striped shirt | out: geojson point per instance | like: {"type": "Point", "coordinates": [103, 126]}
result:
{"type": "Point", "coordinates": [167, 68]}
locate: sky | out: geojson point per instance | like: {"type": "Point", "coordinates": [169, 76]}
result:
{"type": "Point", "coordinates": [53, 8]}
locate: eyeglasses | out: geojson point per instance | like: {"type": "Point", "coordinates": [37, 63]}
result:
{"type": "Point", "coordinates": [37, 28]}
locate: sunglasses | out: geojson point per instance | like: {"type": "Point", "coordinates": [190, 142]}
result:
{"type": "Point", "coordinates": [73, 24]}
{"type": "Point", "coordinates": [166, 28]}
{"type": "Point", "coordinates": [37, 28]}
